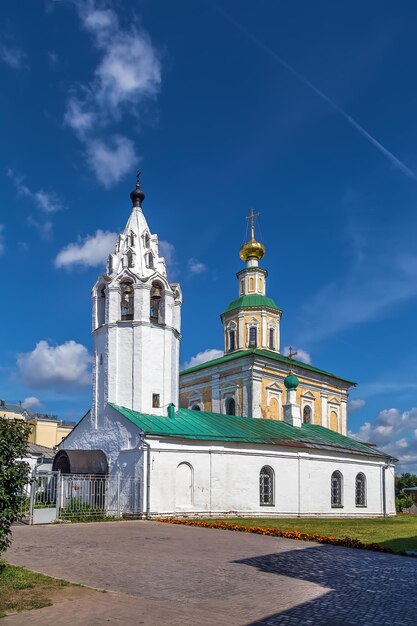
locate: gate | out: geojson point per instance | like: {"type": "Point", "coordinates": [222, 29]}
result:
{"type": "Point", "coordinates": [55, 496]}
{"type": "Point", "coordinates": [44, 497]}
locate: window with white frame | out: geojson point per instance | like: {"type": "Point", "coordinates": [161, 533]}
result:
{"type": "Point", "coordinates": [337, 489]}
{"type": "Point", "coordinates": [230, 405]}
{"type": "Point", "coordinates": [232, 339]}
{"type": "Point", "coordinates": [271, 338]}
{"type": "Point", "coordinates": [307, 414]}
{"type": "Point", "coordinates": [360, 490]}
{"type": "Point", "coordinates": [253, 336]}
{"type": "Point", "coordinates": [266, 486]}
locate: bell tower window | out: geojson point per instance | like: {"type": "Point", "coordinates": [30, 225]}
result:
{"type": "Point", "coordinates": [156, 303]}
{"type": "Point", "coordinates": [253, 336]}
{"type": "Point", "coordinates": [101, 306]}
{"type": "Point", "coordinates": [150, 262]}
{"type": "Point", "coordinates": [272, 338]}
{"type": "Point", "coordinates": [232, 340]}
{"type": "Point", "coordinates": [147, 240]}
{"type": "Point", "coordinates": [126, 301]}
{"type": "Point", "coordinates": [130, 258]}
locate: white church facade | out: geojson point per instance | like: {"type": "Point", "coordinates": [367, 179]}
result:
{"type": "Point", "coordinates": [252, 433]}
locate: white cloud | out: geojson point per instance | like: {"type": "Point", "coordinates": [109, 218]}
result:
{"type": "Point", "coordinates": [393, 431]}
{"type": "Point", "coordinates": [356, 404]}
{"type": "Point", "coordinates": [380, 274]}
{"type": "Point", "coordinates": [203, 357]}
{"type": "Point", "coordinates": [92, 251]}
{"type": "Point", "coordinates": [301, 355]}
{"type": "Point", "coordinates": [64, 366]}
{"type": "Point", "coordinates": [2, 245]}
{"type": "Point", "coordinates": [127, 75]}
{"type": "Point", "coordinates": [167, 250]}
{"type": "Point", "coordinates": [12, 56]}
{"type": "Point", "coordinates": [111, 160]}
{"type": "Point", "coordinates": [32, 402]}
{"type": "Point", "coordinates": [48, 202]}
{"type": "Point", "coordinates": [44, 228]}
{"type": "Point", "coordinates": [195, 267]}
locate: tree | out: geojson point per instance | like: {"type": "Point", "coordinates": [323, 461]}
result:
{"type": "Point", "coordinates": [14, 474]}
{"type": "Point", "coordinates": [403, 500]}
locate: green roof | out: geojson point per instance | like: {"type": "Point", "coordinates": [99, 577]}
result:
{"type": "Point", "coordinates": [205, 426]}
{"type": "Point", "coordinates": [268, 354]}
{"type": "Point", "coordinates": [252, 302]}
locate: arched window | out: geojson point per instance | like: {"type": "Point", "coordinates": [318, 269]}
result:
{"type": "Point", "coordinates": [195, 407]}
{"type": "Point", "coordinates": [251, 284]}
{"type": "Point", "coordinates": [130, 258]}
{"type": "Point", "coordinates": [132, 239]}
{"type": "Point", "coordinates": [336, 489]}
{"type": "Point", "coordinates": [333, 420]}
{"type": "Point", "coordinates": [149, 260]}
{"type": "Point", "coordinates": [242, 287]}
{"type": "Point", "coordinates": [360, 490]}
{"type": "Point", "coordinates": [146, 240]}
{"type": "Point", "coordinates": [101, 306]}
{"type": "Point", "coordinates": [266, 486]}
{"type": "Point", "coordinates": [272, 338]}
{"type": "Point", "coordinates": [156, 303]}
{"type": "Point", "coordinates": [126, 300]}
{"type": "Point", "coordinates": [230, 406]}
{"type": "Point", "coordinates": [307, 414]}
{"type": "Point", "coordinates": [232, 339]}
{"type": "Point", "coordinates": [253, 336]}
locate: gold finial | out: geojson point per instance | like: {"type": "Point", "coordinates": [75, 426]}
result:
{"type": "Point", "coordinates": [252, 249]}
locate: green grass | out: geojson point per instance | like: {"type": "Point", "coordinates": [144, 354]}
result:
{"type": "Point", "coordinates": [21, 589]}
{"type": "Point", "coordinates": [396, 533]}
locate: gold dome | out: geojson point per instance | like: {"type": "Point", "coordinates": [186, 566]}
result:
{"type": "Point", "coordinates": [252, 250]}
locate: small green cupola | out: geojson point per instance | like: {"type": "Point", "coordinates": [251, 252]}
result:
{"type": "Point", "coordinates": [291, 381]}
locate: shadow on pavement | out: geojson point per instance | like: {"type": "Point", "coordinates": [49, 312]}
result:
{"type": "Point", "coordinates": [365, 588]}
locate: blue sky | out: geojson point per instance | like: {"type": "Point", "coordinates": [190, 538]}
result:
{"type": "Point", "coordinates": [305, 111]}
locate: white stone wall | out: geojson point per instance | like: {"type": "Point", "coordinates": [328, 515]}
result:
{"type": "Point", "coordinates": [116, 436]}
{"type": "Point", "coordinates": [225, 479]}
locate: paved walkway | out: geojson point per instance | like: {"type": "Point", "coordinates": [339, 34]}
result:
{"type": "Point", "coordinates": [160, 573]}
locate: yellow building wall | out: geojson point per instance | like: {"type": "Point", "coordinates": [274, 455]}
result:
{"type": "Point", "coordinates": [47, 434]}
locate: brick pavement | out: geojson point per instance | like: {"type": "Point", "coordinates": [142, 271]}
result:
{"type": "Point", "coordinates": [161, 573]}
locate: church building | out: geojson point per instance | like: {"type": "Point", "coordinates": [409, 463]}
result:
{"type": "Point", "coordinates": [249, 379]}
{"type": "Point", "coordinates": [251, 433]}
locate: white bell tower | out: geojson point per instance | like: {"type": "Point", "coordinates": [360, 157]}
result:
{"type": "Point", "coordinates": [136, 324]}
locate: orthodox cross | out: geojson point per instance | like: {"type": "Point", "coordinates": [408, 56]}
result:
{"type": "Point", "coordinates": [252, 218]}
{"type": "Point", "coordinates": [138, 173]}
{"type": "Point", "coordinates": [290, 355]}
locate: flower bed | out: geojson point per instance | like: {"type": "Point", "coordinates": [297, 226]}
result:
{"type": "Point", "coordinates": [347, 542]}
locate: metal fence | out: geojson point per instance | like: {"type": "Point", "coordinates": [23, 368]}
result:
{"type": "Point", "coordinates": [53, 496]}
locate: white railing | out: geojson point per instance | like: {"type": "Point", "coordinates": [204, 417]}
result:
{"type": "Point", "coordinates": [54, 496]}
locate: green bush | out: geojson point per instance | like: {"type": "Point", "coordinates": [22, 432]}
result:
{"type": "Point", "coordinates": [14, 475]}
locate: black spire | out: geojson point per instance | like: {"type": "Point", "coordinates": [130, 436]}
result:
{"type": "Point", "coordinates": [137, 195]}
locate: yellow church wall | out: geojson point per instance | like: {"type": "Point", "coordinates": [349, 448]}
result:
{"type": "Point", "coordinates": [192, 383]}
{"type": "Point", "coordinates": [183, 400]}
{"type": "Point", "coordinates": [271, 410]}
{"type": "Point", "coordinates": [206, 397]}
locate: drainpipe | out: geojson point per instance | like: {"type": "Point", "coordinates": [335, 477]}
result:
{"type": "Point", "coordinates": [148, 479]}
{"type": "Point", "coordinates": [384, 498]}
